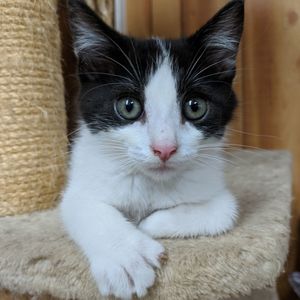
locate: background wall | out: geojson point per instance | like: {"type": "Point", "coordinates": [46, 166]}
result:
{"type": "Point", "coordinates": [268, 79]}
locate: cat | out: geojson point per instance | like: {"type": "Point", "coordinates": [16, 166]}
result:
{"type": "Point", "coordinates": [147, 162]}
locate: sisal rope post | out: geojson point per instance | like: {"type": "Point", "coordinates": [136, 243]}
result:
{"type": "Point", "coordinates": [33, 141]}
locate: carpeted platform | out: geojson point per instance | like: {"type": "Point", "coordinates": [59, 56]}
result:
{"type": "Point", "coordinates": [36, 257]}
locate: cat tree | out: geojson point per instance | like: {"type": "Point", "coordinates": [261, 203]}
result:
{"type": "Point", "coordinates": [37, 258]}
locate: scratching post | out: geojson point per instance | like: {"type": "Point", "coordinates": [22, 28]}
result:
{"type": "Point", "coordinates": [32, 127]}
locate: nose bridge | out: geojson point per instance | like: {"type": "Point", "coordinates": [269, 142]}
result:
{"type": "Point", "coordinates": [162, 129]}
{"type": "Point", "coordinates": [161, 105]}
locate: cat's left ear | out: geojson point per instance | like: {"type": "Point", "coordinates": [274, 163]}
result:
{"type": "Point", "coordinates": [91, 36]}
{"type": "Point", "coordinates": [218, 40]}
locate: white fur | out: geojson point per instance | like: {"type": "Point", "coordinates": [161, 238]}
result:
{"type": "Point", "coordinates": [117, 195]}
{"type": "Point", "coordinates": [87, 40]}
{"type": "Point", "coordinates": [223, 42]}
{"type": "Point", "coordinates": [163, 114]}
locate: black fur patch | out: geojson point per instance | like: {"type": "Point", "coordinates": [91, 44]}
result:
{"type": "Point", "coordinates": [116, 65]}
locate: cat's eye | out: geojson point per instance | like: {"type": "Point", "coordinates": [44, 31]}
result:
{"type": "Point", "coordinates": [129, 108]}
{"type": "Point", "coordinates": [195, 109]}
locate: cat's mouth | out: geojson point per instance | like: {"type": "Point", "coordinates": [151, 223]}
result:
{"type": "Point", "coordinates": [162, 168]}
{"type": "Point", "coordinates": [163, 171]}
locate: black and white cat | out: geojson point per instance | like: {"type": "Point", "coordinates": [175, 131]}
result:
{"type": "Point", "coordinates": [147, 161]}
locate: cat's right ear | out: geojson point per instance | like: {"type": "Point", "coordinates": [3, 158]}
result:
{"type": "Point", "coordinates": [91, 36]}
{"type": "Point", "coordinates": [219, 39]}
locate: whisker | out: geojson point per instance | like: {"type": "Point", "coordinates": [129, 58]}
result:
{"type": "Point", "coordinates": [193, 64]}
{"type": "Point", "coordinates": [211, 65]}
{"type": "Point", "coordinates": [136, 59]}
{"type": "Point", "coordinates": [99, 86]}
{"type": "Point", "coordinates": [216, 73]}
{"type": "Point", "coordinates": [227, 145]}
{"type": "Point", "coordinates": [125, 55]}
{"type": "Point", "coordinates": [218, 158]}
{"type": "Point", "coordinates": [79, 128]}
{"type": "Point", "coordinates": [252, 134]}
{"type": "Point", "coordinates": [204, 163]}
{"type": "Point", "coordinates": [232, 155]}
{"type": "Point", "coordinates": [103, 73]}
{"type": "Point", "coordinates": [73, 132]}
{"type": "Point", "coordinates": [235, 146]}
{"type": "Point", "coordinates": [116, 62]}
{"type": "Point", "coordinates": [196, 82]}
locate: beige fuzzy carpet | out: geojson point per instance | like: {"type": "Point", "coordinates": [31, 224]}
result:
{"type": "Point", "coordinates": [36, 256]}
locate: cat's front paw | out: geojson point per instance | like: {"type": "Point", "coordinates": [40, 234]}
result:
{"type": "Point", "coordinates": [213, 217]}
{"type": "Point", "coordinates": [128, 268]}
{"type": "Point", "coordinates": [158, 224]}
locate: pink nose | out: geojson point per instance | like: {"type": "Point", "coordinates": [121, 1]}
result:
{"type": "Point", "coordinates": [164, 152]}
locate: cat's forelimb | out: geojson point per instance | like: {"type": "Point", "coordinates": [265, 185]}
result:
{"type": "Point", "coordinates": [212, 217]}
{"type": "Point", "coordinates": [122, 258]}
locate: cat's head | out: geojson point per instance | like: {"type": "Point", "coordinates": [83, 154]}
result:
{"type": "Point", "coordinates": [155, 104]}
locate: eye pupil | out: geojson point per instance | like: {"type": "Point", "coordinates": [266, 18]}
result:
{"type": "Point", "coordinates": [128, 108]}
{"type": "Point", "coordinates": [129, 105]}
{"type": "Point", "coordinates": [194, 106]}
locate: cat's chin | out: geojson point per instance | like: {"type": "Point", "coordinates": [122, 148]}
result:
{"type": "Point", "coordinates": [161, 172]}
{"type": "Point", "coordinates": [162, 169]}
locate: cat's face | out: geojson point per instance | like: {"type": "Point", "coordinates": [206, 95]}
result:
{"type": "Point", "coordinates": [155, 104]}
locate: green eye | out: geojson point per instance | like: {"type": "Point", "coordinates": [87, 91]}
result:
{"type": "Point", "coordinates": [129, 108]}
{"type": "Point", "coordinates": [195, 109]}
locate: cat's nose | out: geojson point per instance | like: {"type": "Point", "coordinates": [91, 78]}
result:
{"type": "Point", "coordinates": [164, 152]}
